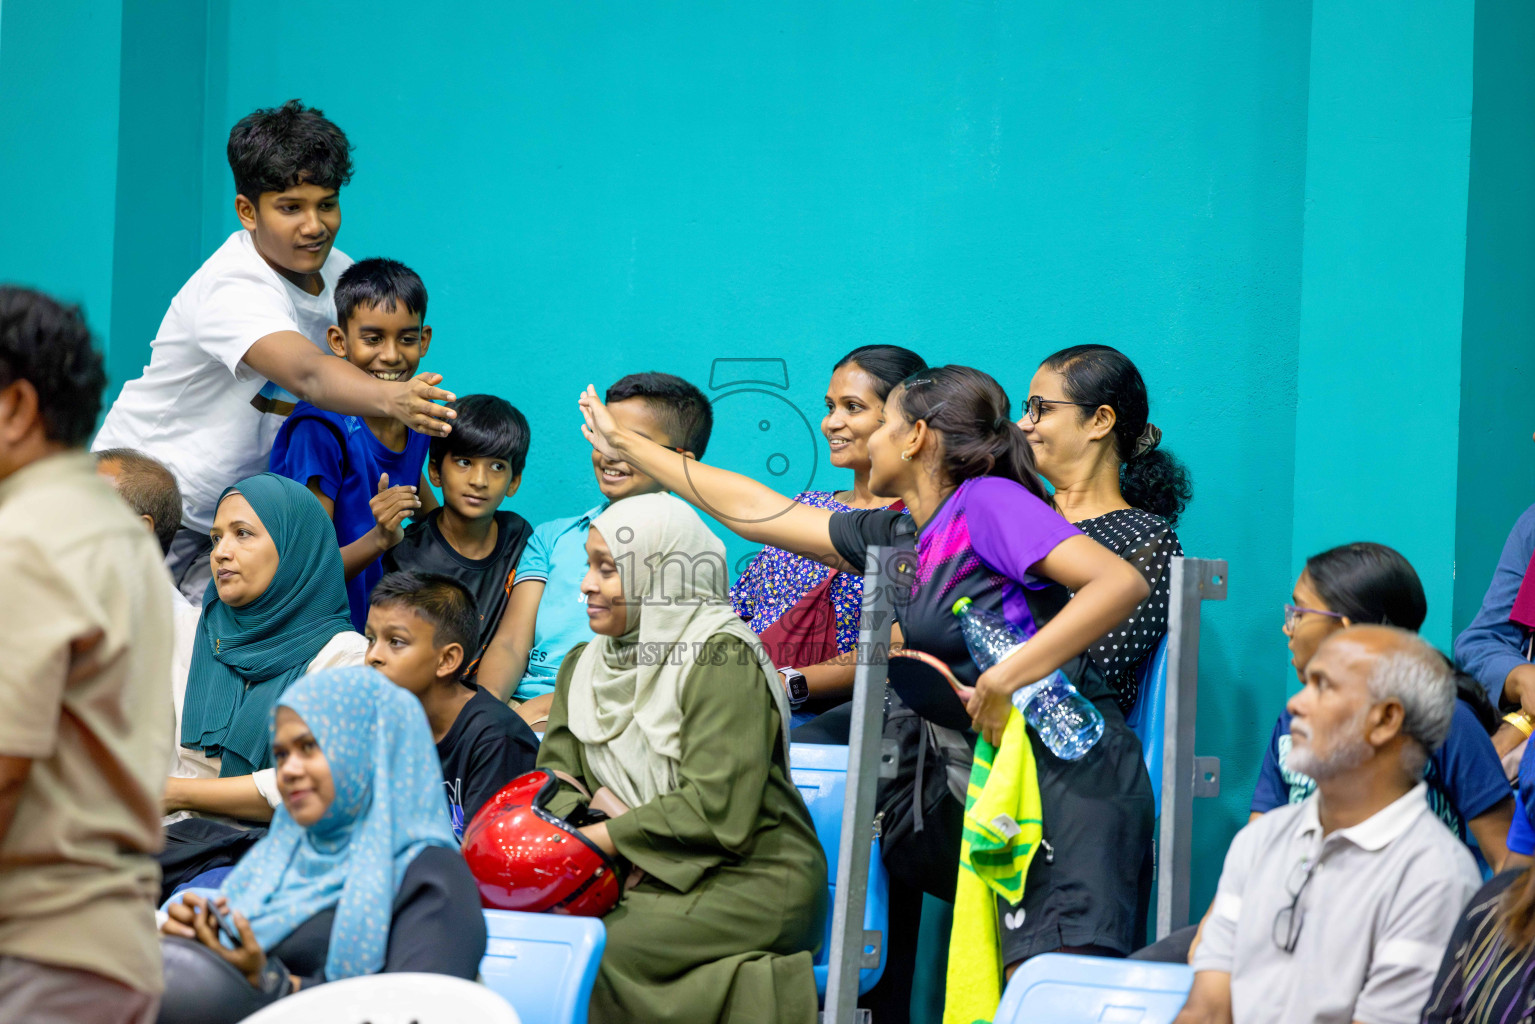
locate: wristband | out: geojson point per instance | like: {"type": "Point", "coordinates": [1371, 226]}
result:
{"type": "Point", "coordinates": [1521, 721]}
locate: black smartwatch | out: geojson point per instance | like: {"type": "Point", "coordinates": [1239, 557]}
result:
{"type": "Point", "coordinates": [794, 682]}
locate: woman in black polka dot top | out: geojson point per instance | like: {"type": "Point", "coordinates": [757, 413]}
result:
{"type": "Point", "coordinates": [1087, 418]}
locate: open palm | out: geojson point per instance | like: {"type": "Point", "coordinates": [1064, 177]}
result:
{"type": "Point", "coordinates": [599, 427]}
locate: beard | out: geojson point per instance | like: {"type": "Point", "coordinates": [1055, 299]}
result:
{"type": "Point", "coordinates": [1347, 753]}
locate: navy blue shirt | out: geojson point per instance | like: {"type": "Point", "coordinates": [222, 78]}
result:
{"type": "Point", "coordinates": [309, 446]}
{"type": "Point", "coordinates": [1465, 778]}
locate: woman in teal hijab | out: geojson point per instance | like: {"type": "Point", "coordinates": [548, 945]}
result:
{"type": "Point", "coordinates": [360, 873]}
{"type": "Point", "coordinates": [275, 609]}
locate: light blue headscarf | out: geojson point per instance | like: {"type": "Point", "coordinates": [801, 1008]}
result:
{"type": "Point", "coordinates": [390, 805]}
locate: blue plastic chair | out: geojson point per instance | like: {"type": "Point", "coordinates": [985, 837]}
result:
{"type": "Point", "coordinates": [543, 964]}
{"type": "Point", "coordinates": [1149, 716]}
{"type": "Point", "coordinates": [1065, 989]}
{"type": "Point", "coordinates": [819, 772]}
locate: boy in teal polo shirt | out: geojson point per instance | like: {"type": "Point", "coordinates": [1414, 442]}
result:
{"type": "Point", "coordinates": [659, 406]}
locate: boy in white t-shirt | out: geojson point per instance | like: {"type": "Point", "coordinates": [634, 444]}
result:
{"type": "Point", "coordinates": [246, 334]}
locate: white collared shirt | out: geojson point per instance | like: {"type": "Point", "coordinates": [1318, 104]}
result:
{"type": "Point", "coordinates": [1370, 926]}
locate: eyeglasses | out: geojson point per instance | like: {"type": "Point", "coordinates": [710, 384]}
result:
{"type": "Point", "coordinates": [1292, 614]}
{"type": "Point", "coordinates": [1036, 406]}
{"type": "Point", "coordinates": [1289, 919]}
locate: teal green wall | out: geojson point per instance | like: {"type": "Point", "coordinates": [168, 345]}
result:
{"type": "Point", "coordinates": [1388, 138]}
{"type": "Point", "coordinates": [1286, 213]}
{"type": "Point", "coordinates": [58, 149]}
{"type": "Point", "coordinates": [163, 67]}
{"type": "Point", "coordinates": [591, 191]}
{"type": "Point", "coordinates": [1496, 478]}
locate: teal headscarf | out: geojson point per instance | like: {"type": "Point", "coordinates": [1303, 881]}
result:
{"type": "Point", "coordinates": [390, 805]}
{"type": "Point", "coordinates": [244, 658]}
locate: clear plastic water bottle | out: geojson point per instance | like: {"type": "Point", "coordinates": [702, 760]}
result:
{"type": "Point", "coordinates": [1064, 719]}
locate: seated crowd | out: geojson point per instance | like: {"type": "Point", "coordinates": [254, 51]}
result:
{"type": "Point", "coordinates": [237, 633]}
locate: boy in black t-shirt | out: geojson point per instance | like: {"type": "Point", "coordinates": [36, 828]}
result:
{"type": "Point", "coordinates": [419, 627]}
{"type": "Point", "coordinates": [476, 466]}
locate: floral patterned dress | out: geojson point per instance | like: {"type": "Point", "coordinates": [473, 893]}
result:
{"type": "Point", "coordinates": [776, 579]}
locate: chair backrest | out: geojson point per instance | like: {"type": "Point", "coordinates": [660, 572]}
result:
{"type": "Point", "coordinates": [819, 772]}
{"type": "Point", "coordinates": [1066, 989]}
{"type": "Point", "coordinates": [391, 999]}
{"type": "Point", "coordinates": [1148, 719]}
{"type": "Point", "coordinates": [543, 964]}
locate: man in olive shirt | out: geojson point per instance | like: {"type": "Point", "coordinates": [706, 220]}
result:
{"type": "Point", "coordinates": [85, 650]}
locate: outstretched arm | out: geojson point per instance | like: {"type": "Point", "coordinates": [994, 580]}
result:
{"type": "Point", "coordinates": [289, 359]}
{"type": "Point", "coordinates": [748, 508]}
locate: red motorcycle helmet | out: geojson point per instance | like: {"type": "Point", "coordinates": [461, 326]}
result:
{"type": "Point", "coordinates": [525, 858]}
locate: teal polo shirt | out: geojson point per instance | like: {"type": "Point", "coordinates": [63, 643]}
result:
{"type": "Point", "coordinates": [556, 554]}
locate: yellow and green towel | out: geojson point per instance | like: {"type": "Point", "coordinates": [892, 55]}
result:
{"type": "Point", "coordinates": [1002, 831]}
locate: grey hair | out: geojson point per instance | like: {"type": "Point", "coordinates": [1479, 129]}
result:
{"type": "Point", "coordinates": [1417, 677]}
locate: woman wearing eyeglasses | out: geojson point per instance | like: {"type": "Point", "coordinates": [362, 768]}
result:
{"type": "Point", "coordinates": [978, 519]}
{"type": "Point", "coordinates": [1087, 422]}
{"type": "Point", "coordinates": [1371, 583]}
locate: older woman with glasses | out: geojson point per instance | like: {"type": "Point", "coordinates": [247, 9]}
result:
{"type": "Point", "coordinates": [1087, 422]}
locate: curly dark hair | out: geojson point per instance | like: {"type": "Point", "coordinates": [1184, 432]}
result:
{"type": "Point", "coordinates": [1152, 479]}
{"type": "Point", "coordinates": [277, 148]}
{"type": "Point", "coordinates": [48, 345]}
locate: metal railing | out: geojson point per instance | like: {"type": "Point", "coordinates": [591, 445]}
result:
{"type": "Point", "coordinates": [1192, 581]}
{"type": "Point", "coordinates": [847, 938]}
{"type": "Point", "coordinates": [1184, 776]}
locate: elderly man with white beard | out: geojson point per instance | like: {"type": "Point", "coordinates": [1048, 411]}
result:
{"type": "Point", "coordinates": [1338, 909]}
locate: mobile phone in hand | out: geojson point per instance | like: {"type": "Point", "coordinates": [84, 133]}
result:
{"type": "Point", "coordinates": [223, 922]}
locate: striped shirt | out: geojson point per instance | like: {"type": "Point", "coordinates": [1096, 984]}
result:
{"type": "Point", "coordinates": [1483, 980]}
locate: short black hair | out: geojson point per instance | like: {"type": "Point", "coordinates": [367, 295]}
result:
{"type": "Point", "coordinates": [47, 344]}
{"type": "Point", "coordinates": [279, 147]}
{"type": "Point", "coordinates": [487, 427]}
{"type": "Point", "coordinates": [683, 409]}
{"type": "Point", "coordinates": [379, 282]}
{"type": "Point", "coordinates": [149, 489]}
{"type": "Point", "coordinates": [441, 601]}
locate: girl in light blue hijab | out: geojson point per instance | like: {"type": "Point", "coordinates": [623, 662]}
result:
{"type": "Point", "coordinates": [360, 873]}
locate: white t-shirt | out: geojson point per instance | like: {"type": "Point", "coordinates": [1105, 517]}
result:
{"type": "Point", "coordinates": [344, 650]}
{"type": "Point", "coordinates": [197, 407]}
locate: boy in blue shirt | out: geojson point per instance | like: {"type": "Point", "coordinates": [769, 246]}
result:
{"type": "Point", "coordinates": [468, 539]}
{"type": "Point", "coordinates": [349, 461]}
{"type": "Point", "coordinates": [659, 406]}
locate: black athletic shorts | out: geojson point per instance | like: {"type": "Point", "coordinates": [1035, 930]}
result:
{"type": "Point", "coordinates": [1089, 883]}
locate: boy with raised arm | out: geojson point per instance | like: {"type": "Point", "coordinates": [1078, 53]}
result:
{"type": "Point", "coordinates": [469, 538]}
{"type": "Point", "coordinates": [247, 333]}
{"type": "Point", "coordinates": [548, 612]}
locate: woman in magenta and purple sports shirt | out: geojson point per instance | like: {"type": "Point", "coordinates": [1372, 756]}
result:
{"type": "Point", "coordinates": [984, 530]}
